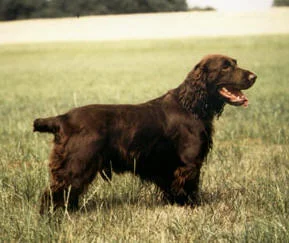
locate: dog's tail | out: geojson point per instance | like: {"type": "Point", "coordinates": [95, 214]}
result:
{"type": "Point", "coordinates": [50, 125]}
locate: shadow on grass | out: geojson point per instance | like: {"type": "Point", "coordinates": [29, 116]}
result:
{"type": "Point", "coordinates": [144, 196]}
{"type": "Point", "coordinates": [157, 200]}
{"type": "Point", "coordinates": [209, 198]}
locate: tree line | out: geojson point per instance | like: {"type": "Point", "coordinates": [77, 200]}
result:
{"type": "Point", "coordinates": [281, 2]}
{"type": "Point", "coordinates": [26, 9]}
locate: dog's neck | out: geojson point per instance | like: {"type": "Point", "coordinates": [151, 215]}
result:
{"type": "Point", "coordinates": [194, 97]}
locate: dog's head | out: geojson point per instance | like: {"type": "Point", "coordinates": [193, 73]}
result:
{"type": "Point", "coordinates": [224, 79]}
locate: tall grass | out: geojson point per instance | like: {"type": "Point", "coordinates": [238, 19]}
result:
{"type": "Point", "coordinates": [245, 181]}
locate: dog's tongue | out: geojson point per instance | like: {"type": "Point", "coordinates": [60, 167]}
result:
{"type": "Point", "coordinates": [238, 96]}
{"type": "Point", "coordinates": [235, 96]}
{"type": "Point", "coordinates": [246, 102]}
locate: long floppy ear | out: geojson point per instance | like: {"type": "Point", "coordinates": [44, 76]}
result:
{"type": "Point", "coordinates": [193, 93]}
{"type": "Point", "coordinates": [199, 72]}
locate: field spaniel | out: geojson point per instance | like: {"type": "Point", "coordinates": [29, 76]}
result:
{"type": "Point", "coordinates": [164, 140]}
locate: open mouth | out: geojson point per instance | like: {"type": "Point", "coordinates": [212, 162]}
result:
{"type": "Point", "coordinates": [234, 96]}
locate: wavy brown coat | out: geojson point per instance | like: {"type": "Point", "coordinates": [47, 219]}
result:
{"type": "Point", "coordinates": [164, 140]}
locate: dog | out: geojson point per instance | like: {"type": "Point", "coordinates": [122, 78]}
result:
{"type": "Point", "coordinates": [164, 140]}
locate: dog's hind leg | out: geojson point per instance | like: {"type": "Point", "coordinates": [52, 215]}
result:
{"type": "Point", "coordinates": [72, 169]}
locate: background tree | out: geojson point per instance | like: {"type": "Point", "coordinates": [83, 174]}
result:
{"type": "Point", "coordinates": [23, 9]}
{"type": "Point", "coordinates": [20, 9]}
{"type": "Point", "coordinates": [281, 2]}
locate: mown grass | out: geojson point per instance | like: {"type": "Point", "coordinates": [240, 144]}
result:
{"type": "Point", "coordinates": [245, 181]}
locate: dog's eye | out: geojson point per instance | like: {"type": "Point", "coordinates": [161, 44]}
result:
{"type": "Point", "coordinates": [226, 64]}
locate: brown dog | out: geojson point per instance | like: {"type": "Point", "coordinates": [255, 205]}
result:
{"type": "Point", "coordinates": [164, 140]}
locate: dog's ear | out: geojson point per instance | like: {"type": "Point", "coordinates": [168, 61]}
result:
{"type": "Point", "coordinates": [199, 72]}
{"type": "Point", "coordinates": [202, 72]}
{"type": "Point", "coordinates": [193, 93]}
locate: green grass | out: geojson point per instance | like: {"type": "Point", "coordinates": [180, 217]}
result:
{"type": "Point", "coordinates": [245, 181]}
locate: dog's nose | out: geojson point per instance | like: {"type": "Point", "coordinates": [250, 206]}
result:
{"type": "Point", "coordinates": [252, 77]}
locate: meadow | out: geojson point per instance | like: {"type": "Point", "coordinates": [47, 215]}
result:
{"type": "Point", "coordinates": [245, 180]}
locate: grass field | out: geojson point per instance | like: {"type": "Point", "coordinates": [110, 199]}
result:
{"type": "Point", "coordinates": [245, 181]}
